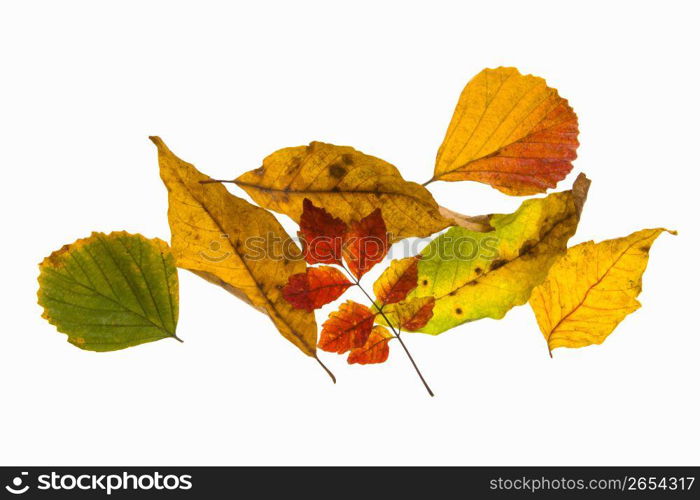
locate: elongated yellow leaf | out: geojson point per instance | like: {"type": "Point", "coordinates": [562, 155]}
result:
{"type": "Point", "coordinates": [475, 275]}
{"type": "Point", "coordinates": [590, 291]}
{"type": "Point", "coordinates": [234, 244]}
{"type": "Point", "coordinates": [111, 291]}
{"type": "Point", "coordinates": [511, 131]}
{"type": "Point", "coordinates": [347, 183]}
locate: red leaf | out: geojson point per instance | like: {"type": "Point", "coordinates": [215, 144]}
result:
{"type": "Point", "coordinates": [315, 288]}
{"type": "Point", "coordinates": [375, 350]}
{"type": "Point", "coordinates": [321, 235]}
{"type": "Point", "coordinates": [346, 328]}
{"type": "Point", "coordinates": [366, 243]}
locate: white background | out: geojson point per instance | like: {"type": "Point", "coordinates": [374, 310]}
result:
{"type": "Point", "coordinates": [84, 83]}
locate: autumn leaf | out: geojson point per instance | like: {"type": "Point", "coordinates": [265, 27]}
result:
{"type": "Point", "coordinates": [218, 236]}
{"type": "Point", "coordinates": [590, 290]}
{"type": "Point", "coordinates": [411, 314]}
{"type": "Point", "coordinates": [397, 280]}
{"type": "Point", "coordinates": [111, 291]}
{"type": "Point", "coordinates": [510, 131]}
{"type": "Point", "coordinates": [347, 183]}
{"type": "Point", "coordinates": [321, 235]}
{"type": "Point", "coordinates": [475, 275]}
{"type": "Point", "coordinates": [347, 328]}
{"type": "Point", "coordinates": [375, 350]}
{"type": "Point", "coordinates": [315, 288]}
{"type": "Point", "coordinates": [366, 243]}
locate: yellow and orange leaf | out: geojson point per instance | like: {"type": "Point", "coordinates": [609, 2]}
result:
{"type": "Point", "coordinates": [397, 280]}
{"type": "Point", "coordinates": [410, 315]}
{"type": "Point", "coordinates": [590, 290]}
{"type": "Point", "coordinates": [315, 288]}
{"type": "Point", "coordinates": [510, 131]}
{"type": "Point", "coordinates": [375, 350]}
{"type": "Point", "coordinates": [347, 328]}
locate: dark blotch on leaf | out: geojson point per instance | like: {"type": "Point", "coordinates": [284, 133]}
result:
{"type": "Point", "coordinates": [497, 263]}
{"type": "Point", "coordinates": [337, 170]}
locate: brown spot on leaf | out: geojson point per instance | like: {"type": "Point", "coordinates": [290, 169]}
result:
{"type": "Point", "coordinates": [337, 170]}
{"type": "Point", "coordinates": [478, 270]}
{"type": "Point", "coordinates": [459, 311]}
{"type": "Point", "coordinates": [645, 248]}
{"type": "Point", "coordinates": [347, 159]}
{"type": "Point", "coordinates": [424, 282]}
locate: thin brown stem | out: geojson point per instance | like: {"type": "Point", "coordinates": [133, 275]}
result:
{"type": "Point", "coordinates": [396, 333]}
{"type": "Point", "coordinates": [330, 373]}
{"type": "Point", "coordinates": [428, 181]}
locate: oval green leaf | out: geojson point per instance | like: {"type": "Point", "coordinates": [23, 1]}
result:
{"type": "Point", "coordinates": [111, 291]}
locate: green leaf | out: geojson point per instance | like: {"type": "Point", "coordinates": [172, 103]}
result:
{"type": "Point", "coordinates": [111, 291]}
{"type": "Point", "coordinates": [475, 275]}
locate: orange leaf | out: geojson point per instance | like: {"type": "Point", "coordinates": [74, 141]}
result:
{"type": "Point", "coordinates": [321, 235]}
{"type": "Point", "coordinates": [366, 243]}
{"type": "Point", "coordinates": [375, 350]}
{"type": "Point", "coordinates": [315, 288]}
{"type": "Point", "coordinates": [397, 280]}
{"type": "Point", "coordinates": [510, 131]}
{"type": "Point", "coordinates": [412, 314]}
{"type": "Point", "coordinates": [346, 328]}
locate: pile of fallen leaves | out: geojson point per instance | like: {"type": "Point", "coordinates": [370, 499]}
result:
{"type": "Point", "coordinates": [510, 131]}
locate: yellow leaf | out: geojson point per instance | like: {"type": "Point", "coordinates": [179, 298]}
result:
{"type": "Point", "coordinates": [511, 131]}
{"type": "Point", "coordinates": [591, 289]}
{"type": "Point", "coordinates": [234, 244]}
{"type": "Point", "coordinates": [347, 183]}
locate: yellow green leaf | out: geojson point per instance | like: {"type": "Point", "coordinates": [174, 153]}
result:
{"type": "Point", "coordinates": [510, 131]}
{"type": "Point", "coordinates": [347, 183]}
{"type": "Point", "coordinates": [475, 275]}
{"type": "Point", "coordinates": [591, 289]}
{"type": "Point", "coordinates": [234, 244]}
{"type": "Point", "coordinates": [110, 291]}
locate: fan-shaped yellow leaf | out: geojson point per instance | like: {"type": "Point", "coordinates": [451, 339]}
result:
{"type": "Point", "coordinates": [234, 244]}
{"type": "Point", "coordinates": [347, 183]}
{"type": "Point", "coordinates": [511, 131]}
{"type": "Point", "coordinates": [591, 289]}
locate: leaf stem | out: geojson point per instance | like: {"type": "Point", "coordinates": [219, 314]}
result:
{"type": "Point", "coordinates": [428, 181]}
{"type": "Point", "coordinates": [396, 334]}
{"type": "Point", "coordinates": [330, 373]}
{"type": "Point", "coordinates": [177, 338]}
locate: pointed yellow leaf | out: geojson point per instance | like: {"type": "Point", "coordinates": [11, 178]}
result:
{"type": "Point", "coordinates": [347, 183]}
{"type": "Point", "coordinates": [510, 131]}
{"type": "Point", "coordinates": [234, 244]}
{"type": "Point", "coordinates": [590, 290]}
